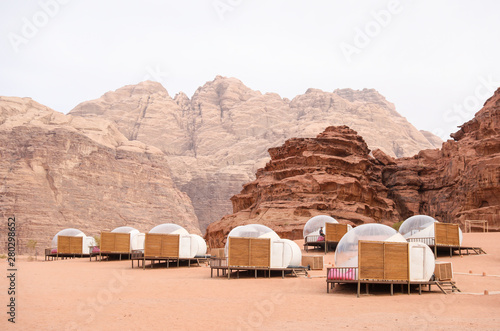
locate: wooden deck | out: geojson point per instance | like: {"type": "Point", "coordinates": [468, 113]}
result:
{"type": "Point", "coordinates": [443, 286]}
{"type": "Point", "coordinates": [220, 265]}
{"type": "Point", "coordinates": [451, 249]}
{"type": "Point", "coordinates": [49, 256]}
{"type": "Point", "coordinates": [138, 255]}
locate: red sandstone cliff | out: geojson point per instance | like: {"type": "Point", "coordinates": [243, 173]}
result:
{"type": "Point", "coordinates": [333, 174]}
{"type": "Point", "coordinates": [330, 174]}
{"type": "Point", "coordinates": [458, 182]}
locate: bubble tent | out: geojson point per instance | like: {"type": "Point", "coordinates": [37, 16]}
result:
{"type": "Point", "coordinates": [136, 237]}
{"type": "Point", "coordinates": [415, 224]}
{"type": "Point", "coordinates": [190, 245]}
{"type": "Point", "coordinates": [284, 252]}
{"type": "Point", "coordinates": [422, 258]}
{"type": "Point", "coordinates": [312, 226]}
{"type": "Point", "coordinates": [421, 226]}
{"type": "Point", "coordinates": [346, 253]}
{"type": "Point", "coordinates": [87, 241]}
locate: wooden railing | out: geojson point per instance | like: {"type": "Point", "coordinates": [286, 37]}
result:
{"type": "Point", "coordinates": [429, 241]}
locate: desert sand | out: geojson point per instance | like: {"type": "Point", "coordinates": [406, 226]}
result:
{"type": "Point", "coordinates": [77, 294]}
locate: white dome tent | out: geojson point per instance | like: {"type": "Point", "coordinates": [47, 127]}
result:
{"type": "Point", "coordinates": [421, 258]}
{"type": "Point", "coordinates": [346, 254]}
{"type": "Point", "coordinates": [190, 245]}
{"type": "Point", "coordinates": [312, 226]}
{"type": "Point", "coordinates": [136, 237]}
{"type": "Point", "coordinates": [422, 228]}
{"type": "Point", "coordinates": [87, 243]}
{"type": "Point", "coordinates": [258, 253]}
{"type": "Point", "coordinates": [332, 232]}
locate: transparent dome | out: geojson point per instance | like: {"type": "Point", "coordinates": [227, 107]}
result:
{"type": "Point", "coordinates": [315, 223]}
{"type": "Point", "coordinates": [253, 231]}
{"type": "Point", "coordinates": [415, 224]}
{"type": "Point", "coordinates": [346, 254]}
{"type": "Point", "coordinates": [67, 232]}
{"type": "Point", "coordinates": [168, 228]}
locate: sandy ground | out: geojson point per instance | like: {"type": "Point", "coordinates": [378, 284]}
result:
{"type": "Point", "coordinates": [81, 295]}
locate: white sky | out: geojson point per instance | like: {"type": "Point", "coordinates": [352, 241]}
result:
{"type": "Point", "coordinates": [438, 61]}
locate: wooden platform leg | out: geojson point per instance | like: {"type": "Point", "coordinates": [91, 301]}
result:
{"type": "Point", "coordinates": [367, 288]}
{"type": "Point", "coordinates": [282, 274]}
{"type": "Point", "coordinates": [419, 289]}
{"type": "Point", "coordinates": [392, 289]}
{"type": "Point", "coordinates": [256, 273]}
{"type": "Point", "coordinates": [359, 285]}
{"type": "Point", "coordinates": [327, 288]}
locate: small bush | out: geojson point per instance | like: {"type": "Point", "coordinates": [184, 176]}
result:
{"type": "Point", "coordinates": [397, 225]}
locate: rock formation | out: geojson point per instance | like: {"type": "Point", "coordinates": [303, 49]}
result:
{"type": "Point", "coordinates": [458, 182]}
{"type": "Point", "coordinates": [334, 175]}
{"type": "Point", "coordinates": [216, 140]}
{"type": "Point", "coordinates": [331, 174]}
{"type": "Point", "coordinates": [60, 171]}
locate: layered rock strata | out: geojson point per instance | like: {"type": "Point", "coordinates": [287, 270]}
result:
{"type": "Point", "coordinates": [59, 171]}
{"type": "Point", "coordinates": [218, 138]}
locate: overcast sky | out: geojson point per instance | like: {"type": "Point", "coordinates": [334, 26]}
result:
{"type": "Point", "coordinates": [437, 61]}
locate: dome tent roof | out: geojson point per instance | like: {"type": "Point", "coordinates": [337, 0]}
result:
{"type": "Point", "coordinates": [415, 224]}
{"type": "Point", "coordinates": [313, 224]}
{"type": "Point", "coordinates": [70, 232]}
{"type": "Point", "coordinates": [347, 249]}
{"type": "Point", "coordinates": [169, 228]}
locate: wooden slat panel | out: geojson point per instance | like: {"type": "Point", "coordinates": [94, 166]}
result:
{"type": "Point", "coordinates": [446, 234]}
{"type": "Point", "coordinates": [107, 242]}
{"type": "Point", "coordinates": [63, 244]}
{"type": "Point", "coordinates": [335, 232]}
{"type": "Point", "coordinates": [371, 260]}
{"type": "Point", "coordinates": [443, 271]}
{"type": "Point", "coordinates": [170, 245]}
{"type": "Point", "coordinates": [260, 252]}
{"type": "Point", "coordinates": [249, 252]}
{"type": "Point", "coordinates": [161, 245]}
{"type": "Point", "coordinates": [396, 261]}
{"type": "Point", "coordinates": [122, 242]}
{"type": "Point", "coordinates": [239, 251]}
{"type": "Point", "coordinates": [75, 245]}
{"type": "Point", "coordinates": [152, 245]}
{"type": "Point", "coordinates": [112, 242]}
{"type": "Point", "coordinates": [383, 260]}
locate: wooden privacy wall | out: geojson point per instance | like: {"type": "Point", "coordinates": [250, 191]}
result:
{"type": "Point", "coordinates": [446, 234]}
{"type": "Point", "coordinates": [112, 242]}
{"type": "Point", "coordinates": [380, 260]}
{"type": "Point", "coordinates": [161, 245]}
{"type": "Point", "coordinates": [69, 245]}
{"type": "Point", "coordinates": [334, 231]}
{"type": "Point", "coordinates": [249, 252]}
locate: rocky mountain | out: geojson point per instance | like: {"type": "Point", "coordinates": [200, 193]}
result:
{"type": "Point", "coordinates": [59, 171]}
{"type": "Point", "coordinates": [331, 174]}
{"type": "Point", "coordinates": [218, 138]}
{"type": "Point", "coordinates": [460, 181]}
{"type": "Point", "coordinates": [334, 174]}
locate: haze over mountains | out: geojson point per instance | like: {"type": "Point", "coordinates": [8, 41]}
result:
{"type": "Point", "coordinates": [217, 139]}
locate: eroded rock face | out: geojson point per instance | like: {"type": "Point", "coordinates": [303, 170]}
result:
{"type": "Point", "coordinates": [331, 174]}
{"type": "Point", "coordinates": [59, 171]}
{"type": "Point", "coordinates": [220, 137]}
{"type": "Point", "coordinates": [334, 175]}
{"type": "Point", "coordinates": [459, 182]}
